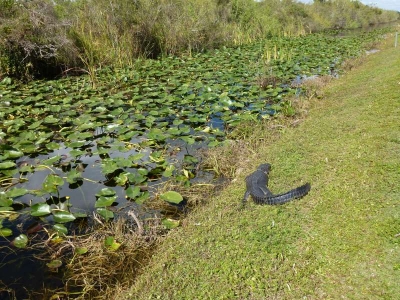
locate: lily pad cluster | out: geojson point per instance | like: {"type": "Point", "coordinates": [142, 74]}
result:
{"type": "Point", "coordinates": [143, 124]}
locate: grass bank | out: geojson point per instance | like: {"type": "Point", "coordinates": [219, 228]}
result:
{"type": "Point", "coordinates": [340, 241]}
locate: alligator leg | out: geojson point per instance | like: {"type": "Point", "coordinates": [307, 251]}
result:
{"type": "Point", "coordinates": [265, 190]}
{"type": "Point", "coordinates": [245, 197]}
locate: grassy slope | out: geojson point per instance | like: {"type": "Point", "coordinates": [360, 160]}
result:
{"type": "Point", "coordinates": [339, 241]}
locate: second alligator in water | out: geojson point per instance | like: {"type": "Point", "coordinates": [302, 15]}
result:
{"type": "Point", "coordinates": [257, 188]}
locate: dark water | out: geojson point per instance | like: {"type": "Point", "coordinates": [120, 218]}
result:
{"type": "Point", "coordinates": [23, 272]}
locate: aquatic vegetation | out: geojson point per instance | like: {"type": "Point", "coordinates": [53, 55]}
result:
{"type": "Point", "coordinates": [67, 148]}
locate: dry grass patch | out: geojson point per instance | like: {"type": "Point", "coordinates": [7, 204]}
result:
{"type": "Point", "coordinates": [314, 87]}
{"type": "Point", "coordinates": [353, 63]}
{"type": "Point", "coordinates": [114, 253]}
{"type": "Point", "coordinates": [108, 256]}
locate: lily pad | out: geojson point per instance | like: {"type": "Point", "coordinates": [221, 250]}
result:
{"type": "Point", "coordinates": [172, 197]}
{"type": "Point", "coordinates": [136, 178]}
{"type": "Point", "coordinates": [106, 192]}
{"type": "Point", "coordinates": [61, 229]}
{"type": "Point", "coordinates": [52, 146]}
{"type": "Point", "coordinates": [121, 179]}
{"type": "Point", "coordinates": [73, 176]}
{"type": "Point", "coordinates": [20, 241]}
{"type": "Point", "coordinates": [169, 171]}
{"type": "Point", "coordinates": [108, 166]}
{"type": "Point", "coordinates": [13, 154]}
{"type": "Point", "coordinates": [111, 243]}
{"type": "Point", "coordinates": [50, 161]}
{"type": "Point", "coordinates": [142, 198]}
{"type": "Point", "coordinates": [105, 213]}
{"type": "Point", "coordinates": [53, 180]}
{"type": "Point", "coordinates": [63, 217]}
{"type": "Point", "coordinates": [51, 120]}
{"type": "Point", "coordinates": [132, 192]}
{"type": "Point", "coordinates": [105, 201]}
{"type": "Point", "coordinates": [170, 223]}
{"type": "Point", "coordinates": [7, 165]}
{"type": "Point", "coordinates": [4, 232]}
{"type": "Point", "coordinates": [40, 209]}
{"type": "Point", "coordinates": [17, 192]}
{"type": "Point", "coordinates": [4, 200]}
{"type": "Point", "coordinates": [81, 250]}
{"type": "Point", "coordinates": [76, 144]}
{"type": "Point", "coordinates": [54, 264]}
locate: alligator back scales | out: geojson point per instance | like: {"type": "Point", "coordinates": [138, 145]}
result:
{"type": "Point", "coordinates": [257, 188]}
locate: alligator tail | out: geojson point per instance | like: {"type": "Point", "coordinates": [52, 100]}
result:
{"type": "Point", "coordinates": [286, 197]}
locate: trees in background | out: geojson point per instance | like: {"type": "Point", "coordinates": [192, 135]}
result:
{"type": "Point", "coordinates": [44, 38]}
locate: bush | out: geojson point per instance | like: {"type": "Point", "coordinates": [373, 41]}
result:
{"type": "Point", "coordinates": [33, 43]}
{"type": "Point", "coordinates": [44, 38]}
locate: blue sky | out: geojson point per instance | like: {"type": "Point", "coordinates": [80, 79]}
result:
{"type": "Point", "coordinates": [385, 4]}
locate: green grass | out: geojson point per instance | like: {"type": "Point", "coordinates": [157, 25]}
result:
{"type": "Point", "coordinates": [337, 242]}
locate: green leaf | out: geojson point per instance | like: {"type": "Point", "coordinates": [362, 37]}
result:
{"type": "Point", "coordinates": [106, 192]}
{"type": "Point", "coordinates": [123, 162]}
{"type": "Point", "coordinates": [80, 215]}
{"type": "Point", "coordinates": [157, 156]}
{"type": "Point", "coordinates": [63, 217]}
{"type": "Point", "coordinates": [51, 120]}
{"type": "Point", "coordinates": [105, 201]}
{"type": "Point", "coordinates": [54, 180]}
{"type": "Point", "coordinates": [213, 144]}
{"type": "Point", "coordinates": [51, 182]}
{"type": "Point", "coordinates": [54, 264]}
{"type": "Point", "coordinates": [6, 209]}
{"type": "Point", "coordinates": [108, 166]}
{"type": "Point", "coordinates": [111, 244]}
{"type": "Point", "coordinates": [26, 169]}
{"type": "Point", "coordinates": [74, 176]}
{"type": "Point", "coordinates": [190, 159]}
{"type": "Point", "coordinates": [20, 241]}
{"type": "Point", "coordinates": [52, 146]}
{"type": "Point", "coordinates": [76, 144]}
{"type": "Point", "coordinates": [13, 154]}
{"type": "Point", "coordinates": [132, 192]}
{"type": "Point", "coordinates": [142, 198]}
{"type": "Point", "coordinates": [105, 213]}
{"type": "Point", "coordinates": [136, 178]}
{"type": "Point", "coordinates": [121, 179]}
{"type": "Point", "coordinates": [7, 165]}
{"type": "Point", "coordinates": [40, 209]}
{"type": "Point", "coordinates": [16, 192]}
{"type": "Point", "coordinates": [170, 223]}
{"type": "Point", "coordinates": [35, 125]}
{"type": "Point", "coordinates": [4, 200]}
{"type": "Point", "coordinates": [5, 232]}
{"type": "Point", "coordinates": [177, 122]}
{"type": "Point", "coordinates": [51, 160]}
{"type": "Point", "coordinates": [76, 152]}
{"type": "Point", "coordinates": [136, 157]}
{"type": "Point", "coordinates": [189, 140]}
{"type": "Point", "coordinates": [172, 197]}
{"type": "Point", "coordinates": [169, 171]}
{"type": "Point", "coordinates": [81, 250]}
{"type": "Point", "coordinates": [61, 229]}
{"type": "Point", "coordinates": [157, 135]}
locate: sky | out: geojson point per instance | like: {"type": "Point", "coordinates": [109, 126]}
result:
{"type": "Point", "coordinates": [384, 4]}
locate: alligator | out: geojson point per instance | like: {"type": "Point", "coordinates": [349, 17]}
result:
{"type": "Point", "coordinates": [257, 188]}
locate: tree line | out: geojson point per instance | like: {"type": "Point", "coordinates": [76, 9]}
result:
{"type": "Point", "coordinates": [49, 38]}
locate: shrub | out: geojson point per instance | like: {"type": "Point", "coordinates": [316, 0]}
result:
{"type": "Point", "coordinates": [33, 43]}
